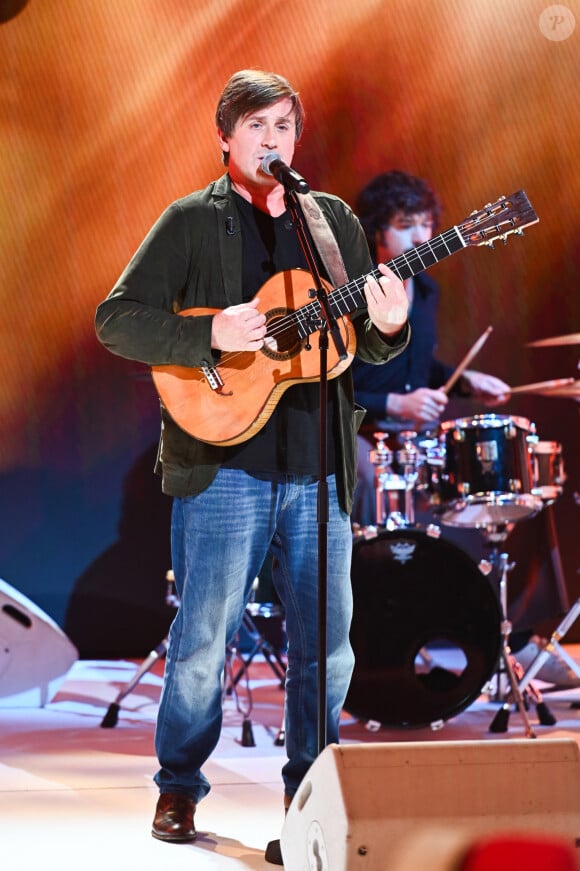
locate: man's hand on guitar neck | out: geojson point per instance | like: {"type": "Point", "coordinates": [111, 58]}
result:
{"type": "Point", "coordinates": [387, 301]}
{"type": "Point", "coordinates": [239, 328]}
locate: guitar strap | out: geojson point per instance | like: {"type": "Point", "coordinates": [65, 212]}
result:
{"type": "Point", "coordinates": [324, 240]}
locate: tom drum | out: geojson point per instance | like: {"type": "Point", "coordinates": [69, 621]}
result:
{"type": "Point", "coordinates": [487, 479]}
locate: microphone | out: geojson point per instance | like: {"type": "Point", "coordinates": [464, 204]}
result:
{"type": "Point", "coordinates": [272, 164]}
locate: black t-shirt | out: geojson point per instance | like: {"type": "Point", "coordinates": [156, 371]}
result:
{"type": "Point", "coordinates": [289, 441]}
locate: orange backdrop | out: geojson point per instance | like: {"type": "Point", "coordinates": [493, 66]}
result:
{"type": "Point", "coordinates": [107, 115]}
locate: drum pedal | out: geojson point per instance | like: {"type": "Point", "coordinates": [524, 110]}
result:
{"type": "Point", "coordinates": [545, 716]}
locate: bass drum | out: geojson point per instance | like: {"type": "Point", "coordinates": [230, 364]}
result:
{"type": "Point", "coordinates": [426, 630]}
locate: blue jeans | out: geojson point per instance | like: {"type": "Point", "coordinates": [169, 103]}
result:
{"type": "Point", "coordinates": [220, 539]}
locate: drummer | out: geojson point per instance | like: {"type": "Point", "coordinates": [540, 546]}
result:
{"type": "Point", "coordinates": [399, 212]}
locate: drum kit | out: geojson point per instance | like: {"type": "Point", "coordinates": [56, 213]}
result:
{"type": "Point", "coordinates": [418, 596]}
{"type": "Point", "coordinates": [430, 632]}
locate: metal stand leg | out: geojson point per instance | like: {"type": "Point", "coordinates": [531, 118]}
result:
{"type": "Point", "coordinates": [271, 655]}
{"type": "Point", "coordinates": [274, 659]}
{"type": "Point", "coordinates": [500, 721]}
{"type": "Point", "coordinates": [261, 645]}
{"type": "Point", "coordinates": [111, 717]}
{"type": "Point", "coordinates": [552, 646]}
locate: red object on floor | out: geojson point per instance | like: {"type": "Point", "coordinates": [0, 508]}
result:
{"type": "Point", "coordinates": [522, 851]}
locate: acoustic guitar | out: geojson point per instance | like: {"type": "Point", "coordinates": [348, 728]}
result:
{"type": "Point", "coordinates": [227, 400]}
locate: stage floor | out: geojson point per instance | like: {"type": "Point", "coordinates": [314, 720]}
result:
{"type": "Point", "coordinates": [74, 795]}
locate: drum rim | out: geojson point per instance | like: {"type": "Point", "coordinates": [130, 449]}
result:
{"type": "Point", "coordinates": [487, 421]}
{"type": "Point", "coordinates": [497, 497]}
{"type": "Point", "coordinates": [555, 447]}
{"type": "Point", "coordinates": [528, 500]}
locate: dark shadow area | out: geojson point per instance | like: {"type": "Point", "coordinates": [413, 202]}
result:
{"type": "Point", "coordinates": [118, 605]}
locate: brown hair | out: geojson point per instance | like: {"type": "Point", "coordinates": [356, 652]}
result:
{"type": "Point", "coordinates": [248, 90]}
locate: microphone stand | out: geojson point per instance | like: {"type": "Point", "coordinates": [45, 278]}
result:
{"type": "Point", "coordinates": [326, 325]}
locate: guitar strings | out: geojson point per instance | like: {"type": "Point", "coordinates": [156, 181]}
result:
{"type": "Point", "coordinates": [343, 292]}
{"type": "Point", "coordinates": [340, 294]}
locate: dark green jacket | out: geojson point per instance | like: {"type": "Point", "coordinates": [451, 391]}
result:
{"type": "Point", "coordinates": [191, 258]}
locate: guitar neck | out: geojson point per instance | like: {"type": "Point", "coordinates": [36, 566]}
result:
{"type": "Point", "coordinates": [350, 296]}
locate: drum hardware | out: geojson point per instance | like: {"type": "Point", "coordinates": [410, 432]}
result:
{"type": "Point", "coordinates": [261, 645]}
{"type": "Point", "coordinates": [509, 672]}
{"type": "Point", "coordinates": [271, 656]}
{"type": "Point", "coordinates": [506, 665]}
{"type": "Point", "coordinates": [387, 482]}
{"type": "Point", "coordinates": [408, 458]}
{"type": "Point", "coordinates": [504, 449]}
{"type": "Point", "coordinates": [553, 646]}
{"type": "Point", "coordinates": [254, 614]}
{"type": "Point", "coordinates": [487, 479]}
{"type": "Point", "coordinates": [396, 472]}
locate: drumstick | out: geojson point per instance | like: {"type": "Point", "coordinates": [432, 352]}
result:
{"type": "Point", "coordinates": [542, 385]}
{"type": "Point", "coordinates": [466, 360]}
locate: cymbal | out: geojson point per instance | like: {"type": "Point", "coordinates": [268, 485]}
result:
{"type": "Point", "coordinates": [571, 339]}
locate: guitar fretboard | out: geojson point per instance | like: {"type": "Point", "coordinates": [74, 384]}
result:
{"type": "Point", "coordinates": [350, 297]}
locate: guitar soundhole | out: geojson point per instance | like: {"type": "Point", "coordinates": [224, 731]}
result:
{"type": "Point", "coordinates": [282, 339]}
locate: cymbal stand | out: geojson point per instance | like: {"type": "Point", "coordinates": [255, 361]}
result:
{"type": "Point", "coordinates": [508, 666]}
{"type": "Point", "coordinates": [499, 723]}
{"type": "Point", "coordinates": [553, 646]}
{"type": "Point", "coordinates": [260, 645]}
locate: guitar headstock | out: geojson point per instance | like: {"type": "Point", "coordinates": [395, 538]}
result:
{"type": "Point", "coordinates": [498, 220]}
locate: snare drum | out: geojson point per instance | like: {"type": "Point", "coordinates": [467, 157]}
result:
{"type": "Point", "coordinates": [426, 629]}
{"type": "Point", "coordinates": [547, 470]}
{"type": "Point", "coordinates": [488, 471]}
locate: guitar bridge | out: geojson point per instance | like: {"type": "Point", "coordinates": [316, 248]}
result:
{"type": "Point", "coordinates": [212, 376]}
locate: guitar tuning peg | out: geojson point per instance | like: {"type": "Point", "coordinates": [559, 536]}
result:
{"type": "Point", "coordinates": [489, 244]}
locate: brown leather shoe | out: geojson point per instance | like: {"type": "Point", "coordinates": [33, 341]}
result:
{"type": "Point", "coordinates": [174, 818]}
